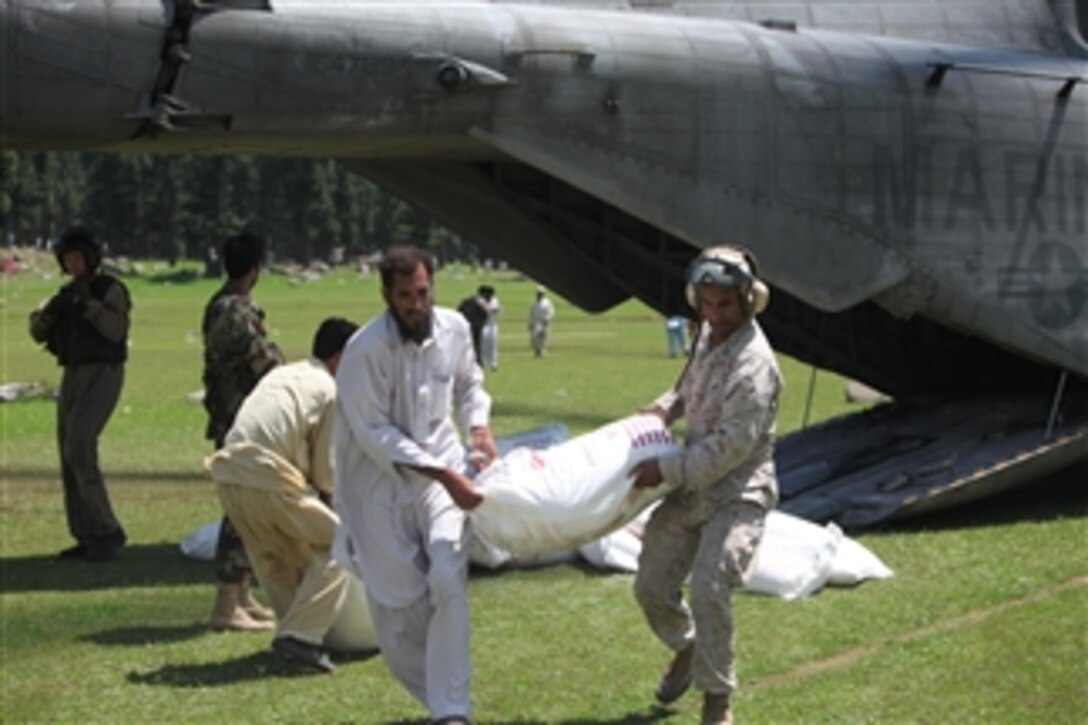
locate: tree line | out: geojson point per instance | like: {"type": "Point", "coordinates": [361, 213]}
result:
{"type": "Point", "coordinates": [179, 207]}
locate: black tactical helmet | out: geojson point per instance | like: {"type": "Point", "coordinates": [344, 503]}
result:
{"type": "Point", "coordinates": [81, 239]}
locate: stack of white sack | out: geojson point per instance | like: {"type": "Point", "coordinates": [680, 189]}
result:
{"type": "Point", "coordinates": [795, 558]}
{"type": "Point", "coordinates": [558, 498]}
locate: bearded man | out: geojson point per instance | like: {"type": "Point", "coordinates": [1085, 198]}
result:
{"type": "Point", "coordinates": [400, 488]}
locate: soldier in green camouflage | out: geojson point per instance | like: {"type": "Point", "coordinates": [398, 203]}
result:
{"type": "Point", "coordinates": [237, 353]}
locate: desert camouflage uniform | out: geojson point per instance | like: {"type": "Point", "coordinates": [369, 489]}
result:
{"type": "Point", "coordinates": [237, 353]}
{"type": "Point", "coordinates": [710, 524]}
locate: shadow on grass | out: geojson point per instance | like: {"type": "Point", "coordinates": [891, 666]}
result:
{"type": "Point", "coordinates": [656, 713]}
{"type": "Point", "coordinates": [579, 565]}
{"type": "Point", "coordinates": [255, 666]}
{"type": "Point", "coordinates": [37, 473]}
{"type": "Point", "coordinates": [140, 636]}
{"type": "Point", "coordinates": [135, 566]}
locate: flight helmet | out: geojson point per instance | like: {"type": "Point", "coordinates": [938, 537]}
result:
{"type": "Point", "coordinates": [728, 266]}
{"type": "Point", "coordinates": [82, 239]}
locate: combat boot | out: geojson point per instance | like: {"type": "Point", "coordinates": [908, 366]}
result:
{"type": "Point", "coordinates": [252, 607]}
{"type": "Point", "coordinates": [677, 678]}
{"type": "Point", "coordinates": [227, 613]}
{"type": "Point", "coordinates": [716, 710]}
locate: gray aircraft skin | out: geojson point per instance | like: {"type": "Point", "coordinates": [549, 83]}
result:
{"type": "Point", "coordinates": [911, 174]}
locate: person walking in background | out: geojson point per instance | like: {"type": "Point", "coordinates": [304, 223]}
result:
{"type": "Point", "coordinates": [237, 353]}
{"type": "Point", "coordinates": [489, 335]}
{"type": "Point", "coordinates": [676, 335]}
{"type": "Point", "coordinates": [540, 320]}
{"type": "Point", "coordinates": [724, 481]}
{"type": "Point", "coordinates": [474, 309]}
{"type": "Point", "coordinates": [85, 326]}
{"type": "Point", "coordinates": [401, 492]}
{"type": "Point", "coordinates": [274, 479]}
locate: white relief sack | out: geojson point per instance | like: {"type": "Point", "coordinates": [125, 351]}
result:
{"type": "Point", "coordinates": [619, 550]}
{"type": "Point", "coordinates": [201, 542]}
{"type": "Point", "coordinates": [794, 557]}
{"type": "Point", "coordinates": [353, 629]}
{"type": "Point", "coordinates": [854, 564]}
{"type": "Point", "coordinates": [569, 494]}
{"type": "Point", "coordinates": [797, 558]}
{"type": "Point", "coordinates": [484, 554]}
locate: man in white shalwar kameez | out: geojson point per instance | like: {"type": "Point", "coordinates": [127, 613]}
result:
{"type": "Point", "coordinates": [274, 478]}
{"type": "Point", "coordinates": [401, 492]}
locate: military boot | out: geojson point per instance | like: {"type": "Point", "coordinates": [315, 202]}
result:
{"type": "Point", "coordinates": [227, 613]}
{"type": "Point", "coordinates": [252, 607]}
{"type": "Point", "coordinates": [716, 710]}
{"type": "Point", "coordinates": [677, 678]}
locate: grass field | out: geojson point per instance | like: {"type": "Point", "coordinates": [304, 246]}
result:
{"type": "Point", "coordinates": [985, 621]}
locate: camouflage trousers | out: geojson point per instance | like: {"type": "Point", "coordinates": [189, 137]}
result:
{"type": "Point", "coordinates": [231, 562]}
{"type": "Point", "coordinates": [716, 547]}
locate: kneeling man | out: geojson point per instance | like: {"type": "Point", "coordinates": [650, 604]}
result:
{"type": "Point", "coordinates": [274, 479]}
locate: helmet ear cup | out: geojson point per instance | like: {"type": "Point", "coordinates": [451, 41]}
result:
{"type": "Point", "coordinates": [689, 295]}
{"type": "Point", "coordinates": [758, 296]}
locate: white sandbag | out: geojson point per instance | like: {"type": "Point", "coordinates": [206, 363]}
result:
{"type": "Point", "coordinates": [619, 550]}
{"type": "Point", "coordinates": [794, 557]}
{"type": "Point", "coordinates": [484, 554]}
{"type": "Point", "coordinates": [854, 564]}
{"type": "Point", "coordinates": [566, 495]}
{"type": "Point", "coordinates": [353, 630]}
{"type": "Point", "coordinates": [201, 542]}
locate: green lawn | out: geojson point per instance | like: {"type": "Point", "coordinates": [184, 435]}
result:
{"type": "Point", "coordinates": [985, 621]}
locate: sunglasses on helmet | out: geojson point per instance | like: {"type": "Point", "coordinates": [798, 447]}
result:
{"type": "Point", "coordinates": [718, 272]}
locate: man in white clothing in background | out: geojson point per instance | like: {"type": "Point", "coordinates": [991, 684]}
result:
{"type": "Point", "coordinates": [489, 334]}
{"type": "Point", "coordinates": [401, 492]}
{"type": "Point", "coordinates": [541, 313]}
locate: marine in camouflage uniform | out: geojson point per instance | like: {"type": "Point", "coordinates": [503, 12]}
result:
{"type": "Point", "coordinates": [237, 353]}
{"type": "Point", "coordinates": [709, 525]}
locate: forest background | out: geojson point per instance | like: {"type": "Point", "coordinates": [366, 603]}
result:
{"type": "Point", "coordinates": [180, 207]}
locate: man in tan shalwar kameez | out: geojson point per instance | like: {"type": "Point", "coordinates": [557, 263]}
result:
{"type": "Point", "coordinates": [274, 477]}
